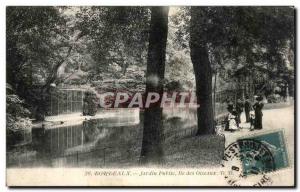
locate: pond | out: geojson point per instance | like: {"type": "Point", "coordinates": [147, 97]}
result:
{"type": "Point", "coordinates": [109, 139]}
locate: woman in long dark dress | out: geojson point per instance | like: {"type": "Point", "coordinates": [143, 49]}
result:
{"type": "Point", "coordinates": [258, 106]}
{"type": "Point", "coordinates": [247, 106]}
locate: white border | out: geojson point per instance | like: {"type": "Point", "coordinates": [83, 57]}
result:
{"type": "Point", "coordinates": [152, 2]}
{"type": "Point", "coordinates": [5, 3]}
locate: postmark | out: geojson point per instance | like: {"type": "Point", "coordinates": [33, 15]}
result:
{"type": "Point", "coordinates": [245, 159]}
{"type": "Point", "coordinates": [249, 161]}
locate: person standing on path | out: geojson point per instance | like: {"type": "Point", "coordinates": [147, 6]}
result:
{"type": "Point", "coordinates": [239, 110]}
{"type": "Point", "coordinates": [229, 109]}
{"type": "Point", "coordinates": [258, 106]}
{"type": "Point", "coordinates": [233, 125]}
{"type": "Point", "coordinates": [247, 106]}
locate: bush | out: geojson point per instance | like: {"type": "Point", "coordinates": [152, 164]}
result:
{"type": "Point", "coordinates": [17, 116]}
{"type": "Point", "coordinates": [16, 124]}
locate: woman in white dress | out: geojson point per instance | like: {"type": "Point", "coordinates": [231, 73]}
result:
{"type": "Point", "coordinates": [232, 122]}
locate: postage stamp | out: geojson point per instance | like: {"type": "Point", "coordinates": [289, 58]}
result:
{"type": "Point", "coordinates": [277, 146]}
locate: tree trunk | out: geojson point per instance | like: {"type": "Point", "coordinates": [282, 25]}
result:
{"type": "Point", "coordinates": [203, 71]}
{"type": "Point", "coordinates": [152, 151]}
{"type": "Point", "coordinates": [215, 99]}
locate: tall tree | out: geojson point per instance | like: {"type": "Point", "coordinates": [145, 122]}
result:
{"type": "Point", "coordinates": [203, 71]}
{"type": "Point", "coordinates": [231, 37]}
{"type": "Point", "coordinates": [152, 151]}
{"type": "Point", "coordinates": [37, 41]}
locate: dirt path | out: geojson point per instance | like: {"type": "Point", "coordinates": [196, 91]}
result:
{"type": "Point", "coordinates": [273, 119]}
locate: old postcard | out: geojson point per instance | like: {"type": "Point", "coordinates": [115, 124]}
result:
{"type": "Point", "coordinates": [150, 96]}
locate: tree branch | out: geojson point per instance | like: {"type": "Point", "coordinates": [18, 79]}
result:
{"type": "Point", "coordinates": [53, 75]}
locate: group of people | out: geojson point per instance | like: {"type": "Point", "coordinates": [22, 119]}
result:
{"type": "Point", "coordinates": [253, 114]}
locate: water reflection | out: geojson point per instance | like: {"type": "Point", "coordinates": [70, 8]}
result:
{"type": "Point", "coordinates": [109, 140]}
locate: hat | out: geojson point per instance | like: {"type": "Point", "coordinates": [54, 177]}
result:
{"type": "Point", "coordinates": [259, 98]}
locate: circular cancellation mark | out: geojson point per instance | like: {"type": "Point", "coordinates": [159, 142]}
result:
{"type": "Point", "coordinates": [246, 163]}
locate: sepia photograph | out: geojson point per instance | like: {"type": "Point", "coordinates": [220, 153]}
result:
{"type": "Point", "coordinates": [150, 96]}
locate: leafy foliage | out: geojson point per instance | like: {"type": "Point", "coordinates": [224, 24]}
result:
{"type": "Point", "coordinates": [251, 37]}
{"type": "Point", "coordinates": [117, 35]}
{"type": "Point", "coordinates": [16, 114]}
{"type": "Point", "coordinates": [36, 41]}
